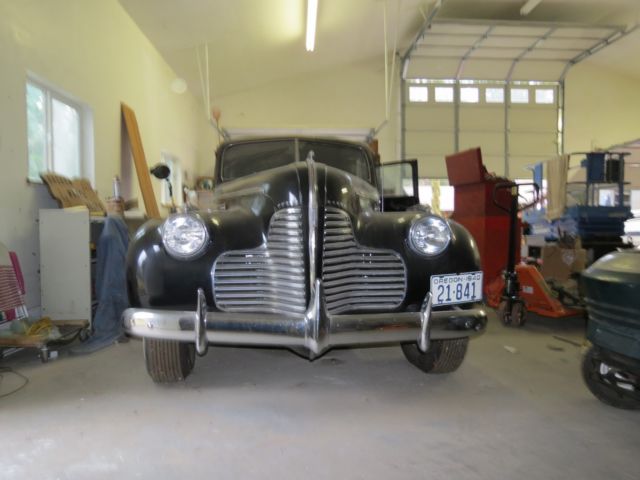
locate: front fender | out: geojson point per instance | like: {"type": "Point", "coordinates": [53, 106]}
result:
{"type": "Point", "coordinates": [155, 279]}
{"type": "Point", "coordinates": [391, 230]}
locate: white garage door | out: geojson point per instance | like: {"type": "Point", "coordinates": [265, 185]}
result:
{"type": "Point", "coordinates": [516, 116]}
{"type": "Point", "coordinates": [516, 124]}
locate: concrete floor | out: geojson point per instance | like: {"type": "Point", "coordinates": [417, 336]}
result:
{"type": "Point", "coordinates": [363, 413]}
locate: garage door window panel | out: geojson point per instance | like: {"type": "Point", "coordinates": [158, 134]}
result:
{"type": "Point", "coordinates": [519, 95]}
{"type": "Point", "coordinates": [545, 96]}
{"type": "Point", "coordinates": [469, 95]}
{"type": "Point", "coordinates": [418, 94]}
{"type": "Point", "coordinates": [494, 95]}
{"type": "Point", "coordinates": [444, 94]}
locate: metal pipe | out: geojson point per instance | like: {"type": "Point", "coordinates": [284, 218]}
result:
{"type": "Point", "coordinates": [507, 103]}
{"type": "Point", "coordinates": [456, 116]}
{"type": "Point", "coordinates": [403, 121]}
{"type": "Point", "coordinates": [560, 118]}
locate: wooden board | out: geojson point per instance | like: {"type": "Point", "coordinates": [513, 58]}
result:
{"type": "Point", "coordinates": [140, 161]}
{"type": "Point", "coordinates": [73, 193]}
{"type": "Point", "coordinates": [92, 201]}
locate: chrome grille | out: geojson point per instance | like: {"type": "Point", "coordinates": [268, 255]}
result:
{"type": "Point", "coordinates": [270, 278]}
{"type": "Point", "coordinates": [354, 277]}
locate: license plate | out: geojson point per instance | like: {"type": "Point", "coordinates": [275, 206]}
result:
{"type": "Point", "coordinates": [456, 288]}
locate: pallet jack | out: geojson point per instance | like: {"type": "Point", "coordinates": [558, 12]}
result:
{"type": "Point", "coordinates": [522, 287]}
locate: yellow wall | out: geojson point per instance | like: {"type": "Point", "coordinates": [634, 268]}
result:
{"type": "Point", "coordinates": [351, 97]}
{"type": "Point", "coordinates": [602, 110]}
{"type": "Point", "coordinates": [602, 107]}
{"type": "Point", "coordinates": [92, 50]}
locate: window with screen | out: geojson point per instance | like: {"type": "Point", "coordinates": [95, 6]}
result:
{"type": "Point", "coordinates": [54, 133]}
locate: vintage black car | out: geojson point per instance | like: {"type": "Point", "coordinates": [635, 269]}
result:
{"type": "Point", "coordinates": [298, 254]}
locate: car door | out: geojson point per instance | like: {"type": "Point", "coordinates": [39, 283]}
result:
{"type": "Point", "coordinates": [398, 183]}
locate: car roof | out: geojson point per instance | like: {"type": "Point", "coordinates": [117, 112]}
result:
{"type": "Point", "coordinates": [254, 139]}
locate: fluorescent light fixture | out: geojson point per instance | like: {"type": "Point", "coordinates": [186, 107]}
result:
{"type": "Point", "coordinates": [529, 6]}
{"type": "Point", "coordinates": [312, 17]}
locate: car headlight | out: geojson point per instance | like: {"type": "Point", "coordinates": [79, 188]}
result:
{"type": "Point", "coordinates": [184, 235]}
{"type": "Point", "coordinates": [429, 236]}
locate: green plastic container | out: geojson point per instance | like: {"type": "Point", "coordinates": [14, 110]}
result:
{"type": "Point", "coordinates": [612, 293]}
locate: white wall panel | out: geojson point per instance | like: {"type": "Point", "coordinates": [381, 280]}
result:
{"type": "Point", "coordinates": [490, 143]}
{"type": "Point", "coordinates": [429, 143]}
{"type": "Point", "coordinates": [429, 116]}
{"type": "Point", "coordinates": [494, 163]}
{"type": "Point", "coordinates": [520, 165]}
{"type": "Point", "coordinates": [482, 117]}
{"type": "Point", "coordinates": [432, 166]}
{"type": "Point", "coordinates": [479, 68]}
{"type": "Point", "coordinates": [533, 118]}
{"type": "Point", "coordinates": [549, 71]}
{"type": "Point", "coordinates": [543, 144]}
{"type": "Point", "coordinates": [432, 68]}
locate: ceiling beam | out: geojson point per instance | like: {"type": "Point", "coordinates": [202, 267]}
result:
{"type": "Point", "coordinates": [596, 48]}
{"type": "Point", "coordinates": [527, 50]}
{"type": "Point", "coordinates": [470, 51]}
{"type": "Point", "coordinates": [426, 25]}
{"type": "Point", "coordinates": [528, 7]}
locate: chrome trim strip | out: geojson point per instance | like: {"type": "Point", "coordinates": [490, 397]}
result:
{"type": "Point", "coordinates": [312, 224]}
{"type": "Point", "coordinates": [356, 277]}
{"type": "Point", "coordinates": [270, 278]}
{"type": "Point", "coordinates": [425, 328]}
{"type": "Point", "coordinates": [200, 324]}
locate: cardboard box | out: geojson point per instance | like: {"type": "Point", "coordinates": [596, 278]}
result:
{"type": "Point", "coordinates": [559, 263]}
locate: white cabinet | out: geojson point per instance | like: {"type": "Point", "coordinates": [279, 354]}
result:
{"type": "Point", "coordinates": [66, 263]}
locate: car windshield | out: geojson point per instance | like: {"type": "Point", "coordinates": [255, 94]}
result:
{"type": "Point", "coordinates": [248, 158]}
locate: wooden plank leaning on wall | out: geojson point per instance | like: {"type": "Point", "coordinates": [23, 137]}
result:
{"type": "Point", "coordinates": [140, 161]}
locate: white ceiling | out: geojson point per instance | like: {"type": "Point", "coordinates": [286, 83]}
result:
{"type": "Point", "coordinates": [253, 42]}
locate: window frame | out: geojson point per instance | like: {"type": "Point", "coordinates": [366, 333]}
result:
{"type": "Point", "coordinates": [52, 93]}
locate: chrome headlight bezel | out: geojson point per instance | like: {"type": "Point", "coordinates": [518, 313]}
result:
{"type": "Point", "coordinates": [169, 233]}
{"type": "Point", "coordinates": [429, 221]}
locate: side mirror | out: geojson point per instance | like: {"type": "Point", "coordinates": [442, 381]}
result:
{"type": "Point", "coordinates": [160, 171]}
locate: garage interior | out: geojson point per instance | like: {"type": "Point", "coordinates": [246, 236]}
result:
{"type": "Point", "coordinates": [485, 98]}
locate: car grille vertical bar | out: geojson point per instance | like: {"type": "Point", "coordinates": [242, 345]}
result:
{"type": "Point", "coordinates": [270, 278]}
{"type": "Point", "coordinates": [358, 278]}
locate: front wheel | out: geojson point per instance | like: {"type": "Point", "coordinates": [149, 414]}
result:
{"type": "Point", "coordinates": [168, 361]}
{"type": "Point", "coordinates": [609, 384]}
{"type": "Point", "coordinates": [443, 356]}
{"type": "Point", "coordinates": [516, 317]}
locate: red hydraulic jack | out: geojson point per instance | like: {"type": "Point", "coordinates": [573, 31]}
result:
{"type": "Point", "coordinates": [522, 288]}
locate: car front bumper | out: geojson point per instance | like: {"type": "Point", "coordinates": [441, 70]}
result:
{"type": "Point", "coordinates": [316, 330]}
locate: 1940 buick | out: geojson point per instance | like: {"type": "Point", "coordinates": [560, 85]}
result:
{"type": "Point", "coordinates": [298, 253]}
